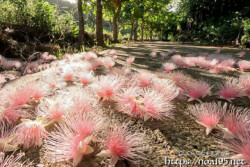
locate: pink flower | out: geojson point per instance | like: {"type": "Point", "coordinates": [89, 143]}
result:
{"type": "Point", "coordinates": [169, 66]}
{"type": "Point", "coordinates": [235, 122]}
{"type": "Point", "coordinates": [17, 64]}
{"type": "Point", "coordinates": [130, 60]}
{"type": "Point", "coordinates": [27, 94]}
{"type": "Point", "coordinates": [122, 71]}
{"type": "Point", "coordinates": [56, 112]}
{"type": "Point", "coordinates": [153, 54]}
{"type": "Point", "coordinates": [240, 145]}
{"type": "Point", "coordinates": [145, 79]}
{"type": "Point", "coordinates": [142, 79]}
{"type": "Point", "coordinates": [198, 89]}
{"type": "Point", "coordinates": [9, 30]}
{"type": "Point", "coordinates": [31, 133]}
{"type": "Point", "coordinates": [43, 67]}
{"type": "Point", "coordinates": [52, 110]}
{"type": "Point", "coordinates": [82, 102]}
{"type": "Point", "coordinates": [72, 139]}
{"type": "Point", "coordinates": [9, 64]}
{"type": "Point", "coordinates": [171, 52]}
{"type": "Point", "coordinates": [86, 78]}
{"type": "Point", "coordinates": [7, 135]}
{"type": "Point", "coordinates": [68, 74]}
{"type": "Point", "coordinates": [228, 63]}
{"type": "Point", "coordinates": [165, 87]}
{"type": "Point", "coordinates": [67, 56]}
{"type": "Point", "coordinates": [219, 68]}
{"type": "Point", "coordinates": [163, 55]}
{"type": "Point", "coordinates": [85, 124]}
{"type": "Point", "coordinates": [217, 51]}
{"type": "Point", "coordinates": [178, 60]}
{"type": "Point", "coordinates": [94, 64]}
{"type": "Point", "coordinates": [112, 52]}
{"type": "Point", "coordinates": [188, 62]}
{"type": "Point", "coordinates": [241, 54]}
{"type": "Point", "coordinates": [182, 95]}
{"type": "Point", "coordinates": [38, 90]}
{"type": "Point", "coordinates": [11, 114]}
{"type": "Point", "coordinates": [99, 60]}
{"type": "Point", "coordinates": [122, 144]}
{"type": "Point", "coordinates": [144, 104]}
{"type": "Point", "coordinates": [33, 66]}
{"type": "Point", "coordinates": [11, 160]}
{"type": "Point", "coordinates": [155, 106]}
{"type": "Point", "coordinates": [107, 87]}
{"type": "Point", "coordinates": [20, 96]}
{"type": "Point", "coordinates": [244, 65]}
{"type": "Point", "coordinates": [230, 89]}
{"type": "Point", "coordinates": [115, 57]}
{"type": "Point", "coordinates": [181, 79]}
{"type": "Point", "coordinates": [207, 114]}
{"type": "Point", "coordinates": [203, 63]}
{"type": "Point", "coordinates": [244, 80]}
{"type": "Point", "coordinates": [90, 55]}
{"type": "Point", "coordinates": [108, 62]}
{"type": "Point", "coordinates": [129, 101]}
{"type": "Point", "coordinates": [53, 80]}
{"type": "Point", "coordinates": [215, 69]}
{"type": "Point", "coordinates": [74, 57]}
{"type": "Point", "coordinates": [45, 56]}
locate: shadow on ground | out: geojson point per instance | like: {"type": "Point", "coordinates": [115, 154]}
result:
{"type": "Point", "coordinates": [168, 138]}
{"type": "Point", "coordinates": [143, 61]}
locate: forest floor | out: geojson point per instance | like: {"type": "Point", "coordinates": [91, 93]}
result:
{"type": "Point", "coordinates": [141, 51]}
{"type": "Point", "coordinates": [181, 135]}
{"type": "Point", "coordinates": [180, 138]}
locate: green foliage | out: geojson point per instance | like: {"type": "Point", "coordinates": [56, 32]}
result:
{"type": "Point", "coordinates": [224, 31]}
{"type": "Point", "coordinates": [212, 22]}
{"type": "Point", "coordinates": [39, 16]}
{"type": "Point", "coordinates": [150, 14]}
{"type": "Point", "coordinates": [246, 36]}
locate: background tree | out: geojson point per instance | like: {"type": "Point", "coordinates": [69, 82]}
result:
{"type": "Point", "coordinates": [115, 7]}
{"type": "Point", "coordinates": [202, 21]}
{"type": "Point", "coordinates": [213, 21]}
{"type": "Point", "coordinates": [81, 37]}
{"type": "Point", "coordinates": [99, 23]}
{"type": "Point", "coordinates": [127, 17]}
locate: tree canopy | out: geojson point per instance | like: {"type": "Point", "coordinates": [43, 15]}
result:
{"type": "Point", "coordinates": [104, 21]}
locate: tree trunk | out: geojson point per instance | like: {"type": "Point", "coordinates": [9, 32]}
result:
{"type": "Point", "coordinates": [151, 35]}
{"type": "Point", "coordinates": [161, 35]}
{"type": "Point", "coordinates": [99, 24]}
{"type": "Point", "coordinates": [135, 30]}
{"type": "Point", "coordinates": [166, 35]}
{"type": "Point", "coordinates": [132, 29]}
{"type": "Point", "coordinates": [81, 39]}
{"type": "Point", "coordinates": [115, 29]}
{"type": "Point", "coordinates": [142, 30]}
{"type": "Point", "coordinates": [238, 39]}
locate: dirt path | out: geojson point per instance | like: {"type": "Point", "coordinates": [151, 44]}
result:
{"type": "Point", "coordinates": [143, 61]}
{"type": "Point", "coordinates": [181, 135]}
{"type": "Point", "coordinates": [142, 50]}
{"type": "Point", "coordinates": [166, 139]}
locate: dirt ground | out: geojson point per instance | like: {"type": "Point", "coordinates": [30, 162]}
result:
{"type": "Point", "coordinates": [180, 138]}
{"type": "Point", "coordinates": [181, 135]}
